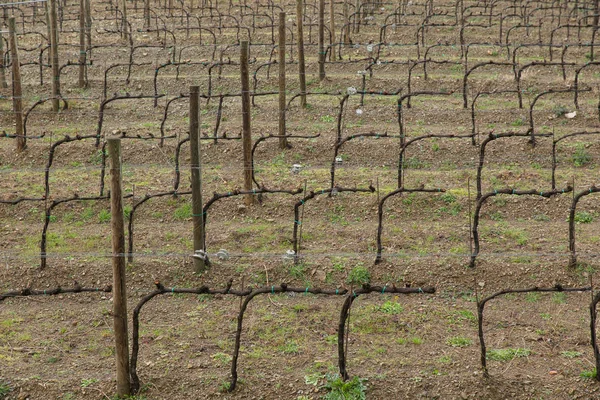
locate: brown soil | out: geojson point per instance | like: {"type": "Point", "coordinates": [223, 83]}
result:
{"type": "Point", "coordinates": [418, 346]}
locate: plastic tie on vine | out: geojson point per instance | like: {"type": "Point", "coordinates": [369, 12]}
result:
{"type": "Point", "coordinates": [352, 90]}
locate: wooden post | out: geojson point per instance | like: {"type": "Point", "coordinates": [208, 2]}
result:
{"type": "Point", "coordinates": [196, 166]}
{"type": "Point", "coordinates": [283, 143]}
{"type": "Point", "coordinates": [48, 29]}
{"type": "Point", "coordinates": [124, 26]}
{"type": "Point", "coordinates": [54, 51]}
{"type": "Point", "coordinates": [88, 26]}
{"type": "Point", "coordinates": [301, 65]}
{"type": "Point", "coordinates": [147, 13]}
{"type": "Point", "coordinates": [332, 28]}
{"type": "Point", "coordinates": [346, 38]}
{"type": "Point", "coordinates": [246, 132]}
{"type": "Point", "coordinates": [82, 52]}
{"type": "Point", "coordinates": [17, 93]}
{"type": "Point", "coordinates": [119, 287]}
{"type": "Point", "coordinates": [321, 40]}
{"type": "Point", "coordinates": [357, 17]}
{"type": "Point", "coordinates": [3, 83]}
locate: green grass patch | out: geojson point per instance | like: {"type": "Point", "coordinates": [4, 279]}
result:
{"type": "Point", "coordinates": [507, 354]}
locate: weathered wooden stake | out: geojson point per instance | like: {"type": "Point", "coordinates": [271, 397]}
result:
{"type": "Point", "coordinates": [246, 131]}
{"type": "Point", "coordinates": [147, 13]}
{"type": "Point", "coordinates": [196, 166]}
{"type": "Point", "coordinates": [119, 286]}
{"type": "Point", "coordinates": [48, 29]}
{"type": "Point", "coordinates": [346, 38]}
{"type": "Point", "coordinates": [124, 25]}
{"type": "Point", "coordinates": [17, 93]}
{"type": "Point", "coordinates": [82, 52]}
{"type": "Point", "coordinates": [283, 143]}
{"type": "Point", "coordinates": [54, 52]}
{"type": "Point", "coordinates": [3, 83]}
{"type": "Point", "coordinates": [88, 26]}
{"type": "Point", "coordinates": [332, 28]}
{"type": "Point", "coordinates": [301, 64]}
{"type": "Point", "coordinates": [321, 40]}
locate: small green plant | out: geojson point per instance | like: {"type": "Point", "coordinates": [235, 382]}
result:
{"type": "Point", "coordinates": [127, 211]}
{"type": "Point", "coordinates": [532, 297]}
{"type": "Point", "coordinates": [518, 122]}
{"type": "Point", "coordinates": [459, 341]}
{"type": "Point", "coordinates": [390, 307]}
{"type": "Point", "coordinates": [224, 386]}
{"type": "Point", "coordinates": [96, 158]}
{"type": "Point", "coordinates": [354, 389]}
{"type": "Point", "coordinates": [445, 359]}
{"type": "Point", "coordinates": [416, 340]}
{"type": "Point", "coordinates": [290, 347]}
{"type": "Point", "coordinates": [588, 374]}
{"type": "Point", "coordinates": [359, 275]}
{"type": "Point", "coordinates": [313, 379]}
{"type": "Point", "coordinates": [541, 218]}
{"type": "Point", "coordinates": [559, 298]}
{"type": "Point", "coordinates": [583, 217]}
{"type": "Point", "coordinates": [581, 157]}
{"type": "Point", "coordinates": [571, 354]}
{"type": "Point", "coordinates": [560, 110]}
{"type": "Point", "coordinates": [448, 198]}
{"type": "Point", "coordinates": [104, 216]}
{"type": "Point", "coordinates": [507, 354]}
{"type": "Point", "coordinates": [327, 118]}
{"type": "Point", "coordinates": [297, 270]}
{"type": "Point", "coordinates": [546, 316]}
{"type": "Point", "coordinates": [5, 389]}
{"type": "Point", "coordinates": [221, 357]}
{"type": "Point", "coordinates": [497, 216]}
{"type": "Point", "coordinates": [183, 212]}
{"type": "Point", "coordinates": [88, 382]}
{"type": "Point", "coordinates": [87, 214]}
{"type": "Point", "coordinates": [415, 163]}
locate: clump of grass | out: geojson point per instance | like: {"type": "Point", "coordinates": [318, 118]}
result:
{"type": "Point", "coordinates": [560, 110]}
{"type": "Point", "coordinates": [359, 275]}
{"type": "Point", "coordinates": [459, 341]}
{"type": "Point", "coordinates": [588, 374]}
{"type": "Point", "coordinates": [290, 347]}
{"type": "Point", "coordinates": [518, 122]}
{"type": "Point", "coordinates": [354, 389]}
{"type": "Point", "coordinates": [571, 354]}
{"type": "Point", "coordinates": [104, 216]}
{"type": "Point", "coordinates": [507, 354]}
{"type": "Point", "coordinates": [5, 389]}
{"type": "Point", "coordinates": [390, 307]}
{"type": "Point", "coordinates": [183, 212]}
{"type": "Point", "coordinates": [583, 217]}
{"type": "Point", "coordinates": [297, 270]}
{"type": "Point", "coordinates": [581, 157]}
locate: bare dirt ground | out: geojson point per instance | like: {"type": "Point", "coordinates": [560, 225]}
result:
{"type": "Point", "coordinates": [417, 346]}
